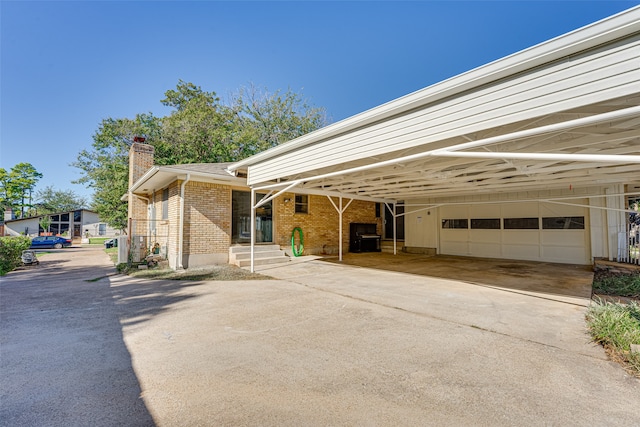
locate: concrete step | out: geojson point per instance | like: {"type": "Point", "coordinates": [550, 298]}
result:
{"type": "Point", "coordinates": [263, 255]}
{"type": "Point", "coordinates": [257, 248]}
{"type": "Point", "coordinates": [260, 254]}
{"type": "Point", "coordinates": [262, 261]}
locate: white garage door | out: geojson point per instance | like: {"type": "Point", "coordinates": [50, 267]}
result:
{"type": "Point", "coordinates": [533, 231]}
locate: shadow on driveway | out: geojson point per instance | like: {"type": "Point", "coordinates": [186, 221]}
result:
{"type": "Point", "coordinates": [64, 361]}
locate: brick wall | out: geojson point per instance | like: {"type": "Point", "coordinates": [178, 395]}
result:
{"type": "Point", "coordinates": [207, 219]}
{"type": "Point", "coordinates": [320, 225]}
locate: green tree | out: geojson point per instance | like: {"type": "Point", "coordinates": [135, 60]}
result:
{"type": "Point", "coordinates": [105, 167]}
{"type": "Point", "coordinates": [269, 119]}
{"type": "Point", "coordinates": [199, 129]}
{"type": "Point", "coordinates": [45, 223]}
{"type": "Point", "coordinates": [50, 200]}
{"type": "Point", "coordinates": [16, 186]}
{"type": "Point", "coordinates": [7, 198]}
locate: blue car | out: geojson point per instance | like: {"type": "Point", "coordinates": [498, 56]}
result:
{"type": "Point", "coordinates": [55, 242]}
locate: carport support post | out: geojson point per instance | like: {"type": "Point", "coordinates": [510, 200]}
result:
{"type": "Point", "coordinates": [253, 226]}
{"type": "Point", "coordinates": [395, 252]}
{"type": "Point", "coordinates": [340, 210]}
{"type": "Point", "coordinates": [340, 231]}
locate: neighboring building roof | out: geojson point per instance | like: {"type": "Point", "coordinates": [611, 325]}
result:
{"type": "Point", "coordinates": [48, 214]}
{"type": "Point", "coordinates": [159, 177]}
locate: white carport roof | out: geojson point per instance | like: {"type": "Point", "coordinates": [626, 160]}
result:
{"type": "Point", "coordinates": [562, 113]}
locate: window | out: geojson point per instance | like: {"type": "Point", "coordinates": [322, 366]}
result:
{"type": "Point", "coordinates": [521, 224]}
{"type": "Point", "coordinates": [486, 223]}
{"type": "Point", "coordinates": [64, 217]}
{"type": "Point", "coordinates": [563, 223]}
{"type": "Point", "coordinates": [55, 218]}
{"type": "Point", "coordinates": [102, 229]}
{"type": "Point", "coordinates": [455, 223]}
{"type": "Point", "coordinates": [378, 210]}
{"type": "Point", "coordinates": [77, 216]}
{"type": "Point", "coordinates": [165, 203]}
{"type": "Point", "coordinates": [302, 203]}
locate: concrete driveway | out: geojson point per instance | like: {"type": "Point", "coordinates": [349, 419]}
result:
{"type": "Point", "coordinates": [321, 344]}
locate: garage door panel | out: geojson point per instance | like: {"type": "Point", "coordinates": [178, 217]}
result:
{"type": "Point", "coordinates": [569, 238]}
{"type": "Point", "coordinates": [564, 254]}
{"type": "Point", "coordinates": [524, 252]}
{"type": "Point", "coordinates": [485, 236]}
{"type": "Point", "coordinates": [567, 244]}
{"type": "Point", "coordinates": [486, 250]}
{"type": "Point", "coordinates": [521, 237]}
{"type": "Point", "coordinates": [455, 248]}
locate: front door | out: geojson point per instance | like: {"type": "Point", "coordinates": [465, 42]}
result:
{"type": "Point", "coordinates": [241, 219]}
{"type": "Point", "coordinates": [388, 223]}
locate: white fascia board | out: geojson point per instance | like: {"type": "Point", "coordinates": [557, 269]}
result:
{"type": "Point", "coordinates": [609, 29]}
{"type": "Point", "coordinates": [144, 178]}
{"type": "Point", "coordinates": [173, 173]}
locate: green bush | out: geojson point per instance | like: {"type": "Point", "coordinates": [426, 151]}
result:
{"type": "Point", "coordinates": [10, 251]}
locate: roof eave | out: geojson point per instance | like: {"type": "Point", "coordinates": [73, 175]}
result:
{"type": "Point", "coordinates": [590, 36]}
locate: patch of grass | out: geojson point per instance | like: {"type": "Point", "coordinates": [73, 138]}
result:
{"type": "Point", "coordinates": [616, 326]}
{"type": "Point", "coordinates": [113, 254]}
{"type": "Point", "coordinates": [218, 272]}
{"type": "Point", "coordinates": [625, 285]}
{"type": "Point", "coordinates": [98, 240]}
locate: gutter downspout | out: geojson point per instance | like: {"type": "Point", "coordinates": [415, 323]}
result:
{"type": "Point", "coordinates": [179, 265]}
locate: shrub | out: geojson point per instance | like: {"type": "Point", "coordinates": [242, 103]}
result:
{"type": "Point", "coordinates": [10, 251]}
{"type": "Point", "coordinates": [625, 285]}
{"type": "Point", "coordinates": [617, 326]}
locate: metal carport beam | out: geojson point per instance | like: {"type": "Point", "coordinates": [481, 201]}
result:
{"type": "Point", "coordinates": [600, 158]}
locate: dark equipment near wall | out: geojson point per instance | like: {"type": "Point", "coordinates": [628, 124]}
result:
{"type": "Point", "coordinates": [363, 237]}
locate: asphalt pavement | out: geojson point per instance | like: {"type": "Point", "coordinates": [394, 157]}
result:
{"type": "Point", "coordinates": [63, 361]}
{"type": "Point", "coordinates": [320, 344]}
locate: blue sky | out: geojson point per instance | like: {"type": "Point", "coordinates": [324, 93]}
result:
{"type": "Point", "coordinates": [66, 65]}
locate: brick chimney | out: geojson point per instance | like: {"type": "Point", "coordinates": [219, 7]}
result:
{"type": "Point", "coordinates": [140, 161]}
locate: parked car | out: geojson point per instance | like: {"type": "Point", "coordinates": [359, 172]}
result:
{"type": "Point", "coordinates": [55, 242]}
{"type": "Point", "coordinates": [111, 243]}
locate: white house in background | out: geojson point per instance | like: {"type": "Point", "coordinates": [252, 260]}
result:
{"type": "Point", "coordinates": [78, 223]}
{"type": "Point", "coordinates": [534, 156]}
